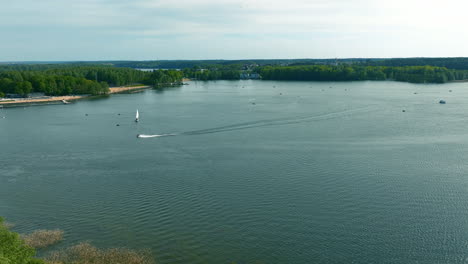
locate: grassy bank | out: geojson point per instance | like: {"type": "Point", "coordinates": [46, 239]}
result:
{"type": "Point", "coordinates": [21, 249]}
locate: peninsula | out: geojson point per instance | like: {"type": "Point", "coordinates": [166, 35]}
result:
{"type": "Point", "coordinates": [50, 83]}
{"type": "Point", "coordinates": [67, 98]}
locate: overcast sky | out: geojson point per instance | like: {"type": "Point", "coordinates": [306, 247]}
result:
{"type": "Point", "coordinates": [231, 29]}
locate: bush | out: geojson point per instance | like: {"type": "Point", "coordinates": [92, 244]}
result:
{"type": "Point", "coordinates": [13, 250]}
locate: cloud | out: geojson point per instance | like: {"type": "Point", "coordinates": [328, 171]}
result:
{"type": "Point", "coordinates": [293, 28]}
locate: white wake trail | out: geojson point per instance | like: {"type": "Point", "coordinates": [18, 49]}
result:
{"type": "Point", "coordinates": [154, 136]}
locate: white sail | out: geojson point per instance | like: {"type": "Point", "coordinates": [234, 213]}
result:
{"type": "Point", "coordinates": [137, 116]}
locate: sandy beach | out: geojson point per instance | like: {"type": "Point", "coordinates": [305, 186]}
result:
{"type": "Point", "coordinates": [46, 99]}
{"type": "Point", "coordinates": [126, 88]}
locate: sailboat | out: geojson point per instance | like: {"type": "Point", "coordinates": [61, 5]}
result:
{"type": "Point", "coordinates": [137, 118]}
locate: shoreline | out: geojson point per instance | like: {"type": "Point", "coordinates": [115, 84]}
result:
{"type": "Point", "coordinates": [55, 99]}
{"type": "Point", "coordinates": [120, 89]}
{"type": "Point", "coordinates": [458, 81]}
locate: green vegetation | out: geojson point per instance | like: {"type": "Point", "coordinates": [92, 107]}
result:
{"type": "Point", "coordinates": [66, 80]}
{"type": "Point", "coordinates": [449, 63]}
{"type": "Point", "coordinates": [159, 78]}
{"type": "Point", "coordinates": [13, 250]}
{"type": "Point", "coordinates": [21, 250]}
{"type": "Point", "coordinates": [204, 64]}
{"type": "Point", "coordinates": [412, 70]}
{"type": "Point", "coordinates": [94, 78]}
{"type": "Point", "coordinates": [214, 72]}
{"type": "Point", "coordinates": [48, 84]}
{"type": "Point", "coordinates": [413, 74]}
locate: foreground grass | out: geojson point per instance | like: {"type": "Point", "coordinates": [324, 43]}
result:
{"type": "Point", "coordinates": [43, 238]}
{"type": "Point", "coordinates": [16, 249]}
{"type": "Point", "coordinates": [84, 253]}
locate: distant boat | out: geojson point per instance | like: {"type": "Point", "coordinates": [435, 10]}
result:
{"type": "Point", "coordinates": [442, 102]}
{"type": "Point", "coordinates": [137, 117]}
{"type": "Point", "coordinates": [65, 101]}
{"type": "Point", "coordinates": [146, 136]}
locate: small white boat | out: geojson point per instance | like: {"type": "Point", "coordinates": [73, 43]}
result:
{"type": "Point", "coordinates": [137, 117]}
{"type": "Point", "coordinates": [65, 101]}
{"type": "Point", "coordinates": [147, 136]}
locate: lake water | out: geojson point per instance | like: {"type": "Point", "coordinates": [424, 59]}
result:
{"type": "Point", "coordinates": [259, 172]}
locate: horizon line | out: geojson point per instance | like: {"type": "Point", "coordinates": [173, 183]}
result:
{"type": "Point", "coordinates": [258, 59]}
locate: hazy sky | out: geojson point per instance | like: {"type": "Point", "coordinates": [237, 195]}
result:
{"type": "Point", "coordinates": [230, 29]}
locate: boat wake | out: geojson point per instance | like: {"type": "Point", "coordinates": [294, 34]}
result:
{"type": "Point", "coordinates": [277, 122]}
{"type": "Point", "coordinates": [154, 136]}
{"type": "Point", "coordinates": [267, 122]}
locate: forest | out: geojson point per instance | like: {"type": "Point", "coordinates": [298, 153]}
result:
{"type": "Point", "coordinates": [184, 64]}
{"type": "Point", "coordinates": [449, 63]}
{"type": "Point", "coordinates": [413, 74]}
{"type": "Point", "coordinates": [95, 78]}
{"type": "Point", "coordinates": [72, 79]}
{"type": "Point", "coordinates": [214, 72]}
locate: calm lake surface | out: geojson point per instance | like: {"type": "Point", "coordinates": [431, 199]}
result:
{"type": "Point", "coordinates": [260, 172]}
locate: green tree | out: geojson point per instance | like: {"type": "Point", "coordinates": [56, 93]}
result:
{"type": "Point", "coordinates": [23, 88]}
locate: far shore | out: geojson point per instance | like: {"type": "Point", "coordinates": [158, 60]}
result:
{"type": "Point", "coordinates": [67, 98]}
{"type": "Point", "coordinates": [458, 81]}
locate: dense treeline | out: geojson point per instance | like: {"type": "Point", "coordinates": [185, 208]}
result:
{"type": "Point", "coordinates": [23, 83]}
{"type": "Point", "coordinates": [163, 77]}
{"type": "Point", "coordinates": [184, 64]}
{"type": "Point", "coordinates": [199, 70]}
{"type": "Point", "coordinates": [65, 80]}
{"type": "Point", "coordinates": [414, 74]}
{"type": "Point", "coordinates": [325, 69]}
{"type": "Point", "coordinates": [181, 64]}
{"type": "Point", "coordinates": [177, 64]}
{"type": "Point", "coordinates": [207, 75]}
{"type": "Point", "coordinates": [47, 66]}
{"type": "Point", "coordinates": [111, 75]}
{"type": "Point", "coordinates": [214, 72]}
{"type": "Point", "coordinates": [96, 77]}
{"type": "Point", "coordinates": [449, 63]}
